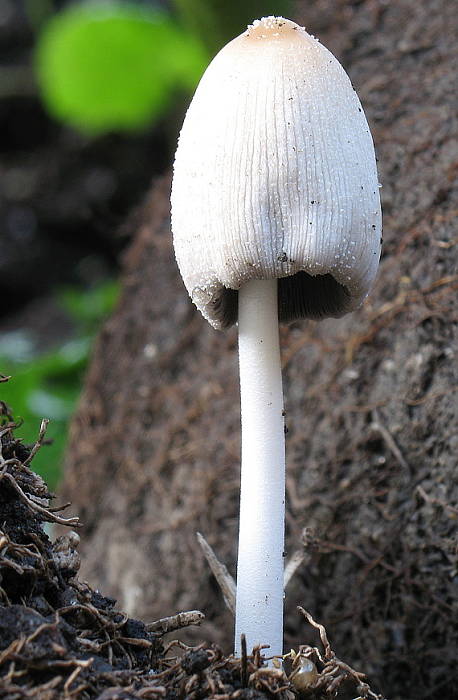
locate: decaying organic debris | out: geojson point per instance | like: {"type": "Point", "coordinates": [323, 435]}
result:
{"type": "Point", "coordinates": [61, 639]}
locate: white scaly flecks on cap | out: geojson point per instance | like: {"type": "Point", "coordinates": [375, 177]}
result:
{"type": "Point", "coordinates": [275, 174]}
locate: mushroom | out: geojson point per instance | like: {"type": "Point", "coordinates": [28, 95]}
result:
{"type": "Point", "coordinates": [275, 216]}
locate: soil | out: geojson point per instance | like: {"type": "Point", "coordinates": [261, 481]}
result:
{"type": "Point", "coordinates": [59, 638]}
{"type": "Point", "coordinates": [372, 495]}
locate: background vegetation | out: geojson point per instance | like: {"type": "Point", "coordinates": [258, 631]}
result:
{"type": "Point", "coordinates": [92, 94]}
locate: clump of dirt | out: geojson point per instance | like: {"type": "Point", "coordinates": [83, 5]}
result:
{"type": "Point", "coordinates": [57, 635]}
{"type": "Point", "coordinates": [59, 638]}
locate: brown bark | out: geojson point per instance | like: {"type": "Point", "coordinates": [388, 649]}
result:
{"type": "Point", "coordinates": [371, 399]}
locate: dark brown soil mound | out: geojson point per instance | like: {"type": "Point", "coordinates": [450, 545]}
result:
{"type": "Point", "coordinates": [58, 637]}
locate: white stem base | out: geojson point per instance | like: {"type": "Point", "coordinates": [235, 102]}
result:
{"type": "Point", "coordinates": [259, 603]}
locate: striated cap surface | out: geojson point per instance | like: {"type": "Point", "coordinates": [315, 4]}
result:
{"type": "Point", "coordinates": [275, 176]}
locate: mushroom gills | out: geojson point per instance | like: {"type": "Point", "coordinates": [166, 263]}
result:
{"type": "Point", "coordinates": [299, 296]}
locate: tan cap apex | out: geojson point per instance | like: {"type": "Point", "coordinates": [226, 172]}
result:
{"type": "Point", "coordinates": [268, 28]}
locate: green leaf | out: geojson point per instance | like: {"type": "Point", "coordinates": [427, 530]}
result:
{"type": "Point", "coordinates": [107, 66]}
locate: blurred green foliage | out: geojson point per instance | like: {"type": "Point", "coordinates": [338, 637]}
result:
{"type": "Point", "coordinates": [107, 65]}
{"type": "Point", "coordinates": [48, 385]}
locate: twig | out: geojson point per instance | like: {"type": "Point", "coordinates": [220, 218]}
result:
{"type": "Point", "coordinates": [41, 628]}
{"type": "Point", "coordinates": [176, 622]}
{"type": "Point", "coordinates": [225, 580]}
{"type": "Point", "coordinates": [152, 691]}
{"type": "Point", "coordinates": [72, 677]}
{"type": "Point", "coordinates": [292, 566]}
{"type": "Point", "coordinates": [386, 435]}
{"type": "Point", "coordinates": [135, 642]}
{"type": "Point", "coordinates": [51, 517]}
{"type": "Point", "coordinates": [13, 649]}
{"type": "Point", "coordinates": [220, 572]}
{"type": "Point", "coordinates": [328, 653]}
{"type": "Point", "coordinates": [38, 443]}
{"type": "Point", "coordinates": [429, 397]}
{"type": "Point", "coordinates": [436, 501]}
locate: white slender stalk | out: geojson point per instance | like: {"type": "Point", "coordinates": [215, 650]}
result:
{"type": "Point", "coordinates": [259, 602]}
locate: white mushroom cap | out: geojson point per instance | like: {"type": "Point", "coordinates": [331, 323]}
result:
{"type": "Point", "coordinates": [275, 176]}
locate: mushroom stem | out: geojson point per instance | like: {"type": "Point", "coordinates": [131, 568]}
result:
{"type": "Point", "coordinates": [259, 602]}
